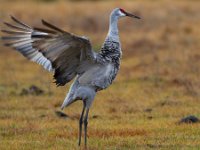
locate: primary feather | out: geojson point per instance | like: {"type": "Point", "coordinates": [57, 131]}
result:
{"type": "Point", "coordinates": [56, 50]}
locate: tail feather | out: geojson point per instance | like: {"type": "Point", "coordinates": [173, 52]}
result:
{"type": "Point", "coordinates": [70, 96]}
{"type": "Point", "coordinates": [68, 100]}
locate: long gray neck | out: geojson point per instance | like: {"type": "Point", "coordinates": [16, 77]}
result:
{"type": "Point", "coordinates": [113, 33]}
{"type": "Point", "coordinates": [111, 47]}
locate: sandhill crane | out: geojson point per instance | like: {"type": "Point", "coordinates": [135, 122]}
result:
{"type": "Point", "coordinates": [71, 57]}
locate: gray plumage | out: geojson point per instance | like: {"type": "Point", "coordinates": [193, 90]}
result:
{"type": "Point", "coordinates": [70, 57]}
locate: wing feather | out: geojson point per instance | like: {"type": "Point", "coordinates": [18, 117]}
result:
{"type": "Point", "coordinates": [16, 27]}
{"type": "Point", "coordinates": [23, 25]}
{"type": "Point", "coordinates": [52, 27]}
{"type": "Point", "coordinates": [15, 32]}
{"type": "Point", "coordinates": [19, 37]}
{"type": "Point", "coordinates": [53, 48]}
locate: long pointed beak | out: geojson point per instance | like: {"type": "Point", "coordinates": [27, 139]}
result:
{"type": "Point", "coordinates": [132, 16]}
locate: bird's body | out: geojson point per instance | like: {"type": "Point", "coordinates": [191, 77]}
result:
{"type": "Point", "coordinates": [71, 57]}
{"type": "Point", "coordinates": [98, 75]}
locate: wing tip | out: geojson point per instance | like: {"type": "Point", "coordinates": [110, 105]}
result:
{"type": "Point", "coordinates": [3, 31]}
{"type": "Point", "coordinates": [52, 26]}
{"type": "Point", "coordinates": [43, 21]}
{"type": "Point", "coordinates": [7, 44]}
{"type": "Point", "coordinates": [11, 16]}
{"type": "Point", "coordinates": [6, 23]}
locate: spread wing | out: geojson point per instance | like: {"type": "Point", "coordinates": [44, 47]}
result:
{"type": "Point", "coordinates": [56, 50]}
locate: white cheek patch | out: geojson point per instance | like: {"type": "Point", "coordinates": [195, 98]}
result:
{"type": "Point", "coordinates": [121, 14]}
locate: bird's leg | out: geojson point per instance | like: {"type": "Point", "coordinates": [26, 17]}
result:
{"type": "Point", "coordinates": [85, 125]}
{"type": "Point", "coordinates": [80, 125]}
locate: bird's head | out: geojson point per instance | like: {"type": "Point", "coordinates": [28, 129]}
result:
{"type": "Point", "coordinates": [119, 12]}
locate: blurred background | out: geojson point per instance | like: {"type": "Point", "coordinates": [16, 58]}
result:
{"type": "Point", "coordinates": [157, 85]}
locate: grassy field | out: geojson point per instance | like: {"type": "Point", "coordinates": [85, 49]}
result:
{"type": "Point", "coordinates": [158, 84]}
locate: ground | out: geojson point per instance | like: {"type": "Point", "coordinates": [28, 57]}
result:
{"type": "Point", "coordinates": [157, 85]}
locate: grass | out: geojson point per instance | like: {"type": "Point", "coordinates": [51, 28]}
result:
{"type": "Point", "coordinates": [157, 85]}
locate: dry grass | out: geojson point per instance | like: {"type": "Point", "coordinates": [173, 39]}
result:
{"type": "Point", "coordinates": [157, 85]}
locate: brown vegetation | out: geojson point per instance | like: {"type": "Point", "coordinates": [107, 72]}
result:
{"type": "Point", "coordinates": [157, 85]}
